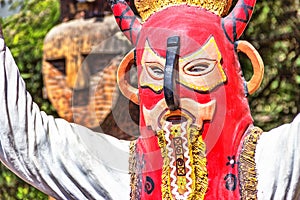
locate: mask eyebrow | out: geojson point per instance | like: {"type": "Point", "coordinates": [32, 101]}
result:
{"type": "Point", "coordinates": [208, 51]}
{"type": "Point", "coordinates": [151, 56]}
{"type": "Point", "coordinates": [149, 46]}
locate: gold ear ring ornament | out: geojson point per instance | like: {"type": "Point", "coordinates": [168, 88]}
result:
{"type": "Point", "coordinates": [123, 78]}
{"type": "Point", "coordinates": [257, 64]}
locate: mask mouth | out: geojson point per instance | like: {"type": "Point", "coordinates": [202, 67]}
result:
{"type": "Point", "coordinates": [190, 112]}
{"type": "Point", "coordinates": [176, 119]}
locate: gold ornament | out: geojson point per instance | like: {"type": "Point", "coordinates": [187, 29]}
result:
{"type": "Point", "coordinates": [247, 166]}
{"type": "Point", "coordinates": [198, 162]}
{"type": "Point", "coordinates": [148, 7]}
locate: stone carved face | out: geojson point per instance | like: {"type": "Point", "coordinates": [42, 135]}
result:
{"type": "Point", "coordinates": [79, 69]}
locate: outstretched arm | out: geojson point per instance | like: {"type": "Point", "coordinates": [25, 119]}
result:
{"type": "Point", "coordinates": [278, 162]}
{"type": "Point", "coordinates": [63, 160]}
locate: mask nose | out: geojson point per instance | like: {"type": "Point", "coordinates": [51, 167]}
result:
{"type": "Point", "coordinates": [171, 73]}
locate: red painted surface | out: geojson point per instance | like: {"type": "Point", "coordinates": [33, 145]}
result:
{"type": "Point", "coordinates": [232, 117]}
{"type": "Point", "coordinates": [223, 134]}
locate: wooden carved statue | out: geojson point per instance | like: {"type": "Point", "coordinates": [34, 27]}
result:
{"type": "Point", "coordinates": [80, 59]}
{"type": "Point", "coordinates": [73, 9]}
{"type": "Point", "coordinates": [197, 138]}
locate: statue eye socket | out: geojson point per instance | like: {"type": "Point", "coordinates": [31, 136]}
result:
{"type": "Point", "coordinates": [155, 70]}
{"type": "Point", "coordinates": [59, 64]}
{"type": "Point", "coordinates": [199, 67]}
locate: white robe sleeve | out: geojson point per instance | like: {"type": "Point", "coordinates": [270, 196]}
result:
{"type": "Point", "coordinates": [64, 160]}
{"type": "Point", "coordinates": [278, 162]}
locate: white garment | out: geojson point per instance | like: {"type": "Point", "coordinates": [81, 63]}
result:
{"type": "Point", "coordinates": [278, 162]}
{"type": "Point", "coordinates": [62, 159]}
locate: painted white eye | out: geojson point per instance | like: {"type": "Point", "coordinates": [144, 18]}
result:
{"type": "Point", "coordinates": [155, 70]}
{"type": "Point", "coordinates": [199, 67]}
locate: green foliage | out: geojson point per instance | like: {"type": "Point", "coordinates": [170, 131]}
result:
{"type": "Point", "coordinates": [24, 33]}
{"type": "Point", "coordinates": [273, 30]}
{"type": "Point", "coordinates": [12, 188]}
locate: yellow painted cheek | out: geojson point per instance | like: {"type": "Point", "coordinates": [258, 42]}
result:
{"type": "Point", "coordinates": [154, 87]}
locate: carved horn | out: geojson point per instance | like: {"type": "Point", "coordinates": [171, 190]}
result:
{"type": "Point", "coordinates": [126, 19]}
{"type": "Point", "coordinates": [235, 23]}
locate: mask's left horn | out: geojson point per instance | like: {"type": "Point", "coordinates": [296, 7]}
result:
{"type": "Point", "coordinates": [126, 19]}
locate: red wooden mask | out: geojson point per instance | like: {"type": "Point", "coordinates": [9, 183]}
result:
{"type": "Point", "coordinates": [192, 96]}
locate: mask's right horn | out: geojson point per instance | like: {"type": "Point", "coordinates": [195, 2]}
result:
{"type": "Point", "coordinates": [235, 23]}
{"type": "Point", "coordinates": [126, 19]}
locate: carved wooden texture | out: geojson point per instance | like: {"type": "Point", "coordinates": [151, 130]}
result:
{"type": "Point", "coordinates": [79, 69]}
{"type": "Point", "coordinates": [72, 9]}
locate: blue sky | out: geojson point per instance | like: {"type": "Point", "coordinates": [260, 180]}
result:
{"type": "Point", "coordinates": [5, 11]}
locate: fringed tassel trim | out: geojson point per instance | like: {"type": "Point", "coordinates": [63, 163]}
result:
{"type": "Point", "coordinates": [165, 182]}
{"type": "Point", "coordinates": [247, 166]}
{"type": "Point", "coordinates": [134, 179]}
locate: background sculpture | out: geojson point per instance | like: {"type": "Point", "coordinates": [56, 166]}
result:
{"type": "Point", "coordinates": [80, 59]}
{"type": "Point", "coordinates": [72, 9]}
